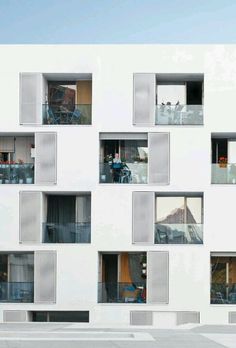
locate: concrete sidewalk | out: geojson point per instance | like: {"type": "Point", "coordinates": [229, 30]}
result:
{"type": "Point", "coordinates": [54, 335]}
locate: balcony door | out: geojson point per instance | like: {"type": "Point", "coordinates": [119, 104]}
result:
{"type": "Point", "coordinates": [223, 279]}
{"type": "Point", "coordinates": [194, 93]}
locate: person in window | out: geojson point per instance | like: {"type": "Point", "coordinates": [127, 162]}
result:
{"type": "Point", "coordinates": [116, 168]}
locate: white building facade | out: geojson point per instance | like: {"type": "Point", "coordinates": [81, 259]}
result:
{"type": "Point", "coordinates": [117, 184]}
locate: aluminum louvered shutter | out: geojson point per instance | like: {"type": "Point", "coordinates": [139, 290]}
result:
{"type": "Point", "coordinates": [158, 158]}
{"type": "Point", "coordinates": [144, 99]}
{"type": "Point", "coordinates": [143, 217]}
{"type": "Point", "coordinates": [30, 98]}
{"type": "Point", "coordinates": [11, 316]}
{"type": "Point", "coordinates": [141, 318]}
{"type": "Point", "coordinates": [157, 276]}
{"type": "Point", "coordinates": [30, 216]}
{"type": "Point", "coordinates": [45, 158]}
{"type": "Point", "coordinates": [45, 268]}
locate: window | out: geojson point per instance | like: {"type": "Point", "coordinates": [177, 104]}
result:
{"type": "Point", "coordinates": [60, 316]}
{"type": "Point", "coordinates": [179, 219]}
{"type": "Point", "coordinates": [123, 160]}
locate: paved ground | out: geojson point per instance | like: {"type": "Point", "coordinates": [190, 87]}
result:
{"type": "Point", "coordinates": [66, 335]}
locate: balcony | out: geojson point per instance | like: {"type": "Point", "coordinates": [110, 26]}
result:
{"type": "Point", "coordinates": [223, 293]}
{"type": "Point", "coordinates": [178, 233]}
{"type": "Point", "coordinates": [77, 114]}
{"type": "Point", "coordinates": [223, 173]}
{"type": "Point", "coordinates": [16, 173]}
{"type": "Point", "coordinates": [16, 292]}
{"type": "Point", "coordinates": [129, 173]}
{"type": "Point", "coordinates": [117, 292]}
{"type": "Point", "coordinates": [179, 114]}
{"type": "Point", "coordinates": [67, 232]}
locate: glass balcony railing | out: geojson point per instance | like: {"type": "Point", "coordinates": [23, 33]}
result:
{"type": "Point", "coordinates": [122, 292]}
{"type": "Point", "coordinates": [178, 233]}
{"type": "Point", "coordinates": [131, 173]}
{"type": "Point", "coordinates": [67, 114]}
{"type": "Point", "coordinates": [16, 292]}
{"type": "Point", "coordinates": [17, 173]}
{"type": "Point", "coordinates": [181, 114]}
{"type": "Point", "coordinates": [223, 173]}
{"type": "Point", "coordinates": [79, 232]}
{"type": "Point", "coordinates": [223, 293]}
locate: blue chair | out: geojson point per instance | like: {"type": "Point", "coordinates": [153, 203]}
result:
{"type": "Point", "coordinates": [76, 116]}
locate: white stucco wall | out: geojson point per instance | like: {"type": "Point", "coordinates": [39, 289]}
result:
{"type": "Point", "coordinates": [78, 170]}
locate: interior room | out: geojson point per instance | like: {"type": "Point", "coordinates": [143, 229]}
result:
{"type": "Point", "coordinates": [223, 279]}
{"type": "Point", "coordinates": [223, 158]}
{"type": "Point", "coordinates": [122, 277]}
{"type": "Point", "coordinates": [17, 155]}
{"type": "Point", "coordinates": [67, 218]}
{"type": "Point", "coordinates": [16, 277]}
{"type": "Point", "coordinates": [68, 99]}
{"type": "Point", "coordinates": [123, 158]}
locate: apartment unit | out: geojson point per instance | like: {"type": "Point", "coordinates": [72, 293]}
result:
{"type": "Point", "coordinates": [117, 184]}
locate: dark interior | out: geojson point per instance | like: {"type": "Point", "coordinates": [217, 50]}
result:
{"type": "Point", "coordinates": [194, 93]}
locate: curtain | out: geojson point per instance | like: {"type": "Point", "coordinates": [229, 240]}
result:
{"type": "Point", "coordinates": [21, 268]}
{"type": "Point", "coordinates": [61, 209]}
{"type": "Point", "coordinates": [83, 208]}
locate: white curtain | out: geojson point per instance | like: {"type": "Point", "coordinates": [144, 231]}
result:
{"type": "Point", "coordinates": [21, 267]}
{"type": "Point", "coordinates": [83, 208]}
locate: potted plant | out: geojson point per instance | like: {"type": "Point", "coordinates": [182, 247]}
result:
{"type": "Point", "coordinates": [223, 162]}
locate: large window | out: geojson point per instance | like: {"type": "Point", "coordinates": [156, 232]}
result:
{"type": "Point", "coordinates": [123, 277]}
{"type": "Point", "coordinates": [123, 160]}
{"type": "Point", "coordinates": [68, 218]}
{"type": "Point", "coordinates": [17, 159]}
{"type": "Point", "coordinates": [68, 101]}
{"type": "Point", "coordinates": [179, 219]}
{"type": "Point", "coordinates": [16, 277]}
{"type": "Point", "coordinates": [223, 158]}
{"type": "Point", "coordinates": [223, 279]}
{"type": "Point", "coordinates": [179, 99]}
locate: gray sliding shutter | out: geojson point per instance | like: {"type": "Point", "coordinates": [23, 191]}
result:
{"type": "Point", "coordinates": [158, 158]}
{"type": "Point", "coordinates": [30, 216]}
{"type": "Point", "coordinates": [141, 318]}
{"type": "Point", "coordinates": [144, 99]}
{"type": "Point", "coordinates": [45, 267]}
{"type": "Point", "coordinates": [13, 316]}
{"type": "Point", "coordinates": [143, 217]}
{"type": "Point", "coordinates": [157, 276]}
{"type": "Point", "coordinates": [30, 98]}
{"type": "Point", "coordinates": [45, 158]}
{"type": "Point", "coordinates": [188, 317]}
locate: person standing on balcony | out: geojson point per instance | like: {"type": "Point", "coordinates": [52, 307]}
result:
{"type": "Point", "coordinates": [116, 168]}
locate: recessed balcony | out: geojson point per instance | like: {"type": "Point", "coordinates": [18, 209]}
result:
{"type": "Point", "coordinates": [126, 286]}
{"type": "Point", "coordinates": [17, 277]}
{"type": "Point", "coordinates": [17, 156]}
{"type": "Point", "coordinates": [223, 163]}
{"type": "Point", "coordinates": [223, 279]}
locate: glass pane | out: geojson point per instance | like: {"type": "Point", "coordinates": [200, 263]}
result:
{"type": "Point", "coordinates": [21, 267]}
{"type": "Point", "coordinates": [39, 316]}
{"type": "Point", "coordinates": [133, 151]}
{"type": "Point", "coordinates": [232, 152]}
{"type": "Point", "coordinates": [170, 210]}
{"type": "Point", "coordinates": [194, 210]}
{"type": "Point", "coordinates": [218, 270]}
{"type": "Point", "coordinates": [171, 94]}
{"type": "Point", "coordinates": [232, 270]}
{"type": "Point", "coordinates": [72, 316]}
